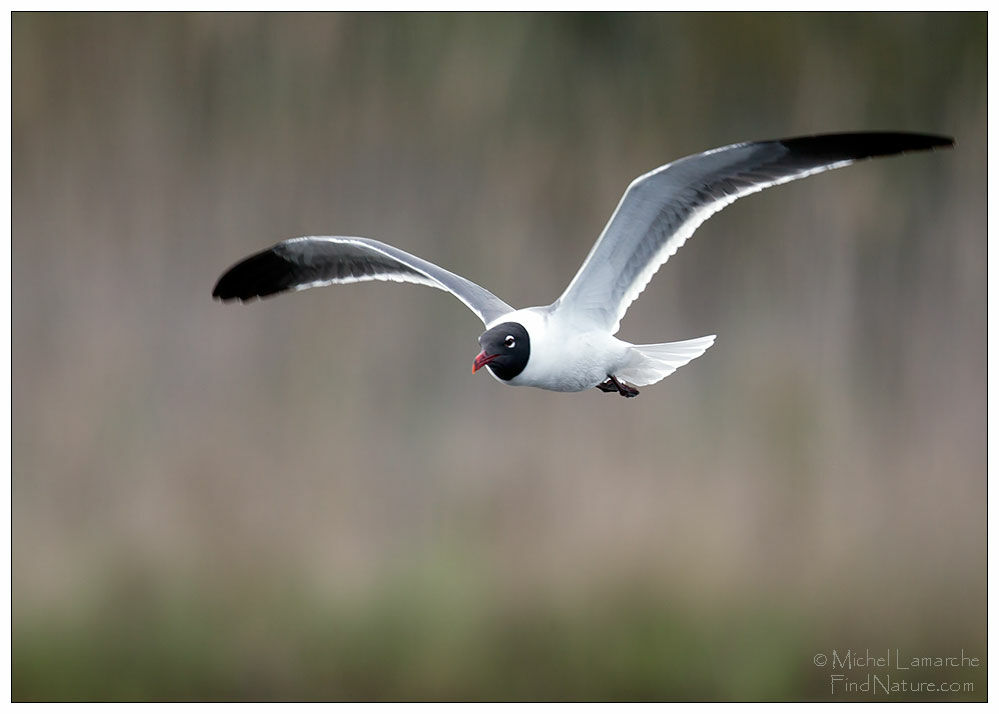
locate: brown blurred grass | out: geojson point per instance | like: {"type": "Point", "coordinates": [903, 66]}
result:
{"type": "Point", "coordinates": [222, 502]}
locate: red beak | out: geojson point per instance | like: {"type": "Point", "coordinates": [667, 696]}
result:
{"type": "Point", "coordinates": [481, 360]}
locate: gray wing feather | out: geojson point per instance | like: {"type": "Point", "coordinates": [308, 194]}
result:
{"type": "Point", "coordinates": [314, 261]}
{"type": "Point", "coordinates": [661, 209]}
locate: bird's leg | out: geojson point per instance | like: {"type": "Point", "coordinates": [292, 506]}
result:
{"type": "Point", "coordinates": [607, 386]}
{"type": "Point", "coordinates": [626, 390]}
{"type": "Point", "coordinates": [611, 384]}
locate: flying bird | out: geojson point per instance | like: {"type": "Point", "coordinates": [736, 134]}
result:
{"type": "Point", "coordinates": [569, 346]}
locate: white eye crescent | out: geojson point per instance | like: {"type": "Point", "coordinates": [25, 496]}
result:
{"type": "Point", "coordinates": [510, 342]}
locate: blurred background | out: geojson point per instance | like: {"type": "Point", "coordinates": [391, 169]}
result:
{"type": "Point", "coordinates": [312, 497]}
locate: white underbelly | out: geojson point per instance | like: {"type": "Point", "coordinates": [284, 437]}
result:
{"type": "Point", "coordinates": [573, 362]}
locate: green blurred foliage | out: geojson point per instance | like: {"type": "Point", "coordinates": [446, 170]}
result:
{"type": "Point", "coordinates": [421, 640]}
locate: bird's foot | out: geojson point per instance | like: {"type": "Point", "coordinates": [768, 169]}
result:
{"type": "Point", "coordinates": [607, 386]}
{"type": "Point", "coordinates": [626, 390]}
{"type": "Point", "coordinates": [611, 384]}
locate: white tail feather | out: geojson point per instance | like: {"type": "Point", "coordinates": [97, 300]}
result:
{"type": "Point", "coordinates": [650, 363]}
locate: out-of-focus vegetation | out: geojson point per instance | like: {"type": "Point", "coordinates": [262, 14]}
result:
{"type": "Point", "coordinates": [430, 635]}
{"type": "Point", "coordinates": [312, 497]}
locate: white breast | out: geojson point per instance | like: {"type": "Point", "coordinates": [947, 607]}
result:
{"type": "Point", "coordinates": [562, 358]}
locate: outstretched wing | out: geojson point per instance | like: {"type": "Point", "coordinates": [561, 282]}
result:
{"type": "Point", "coordinates": [313, 261]}
{"type": "Point", "coordinates": [661, 209]}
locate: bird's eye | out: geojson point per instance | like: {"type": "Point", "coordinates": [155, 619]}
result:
{"type": "Point", "coordinates": [509, 342]}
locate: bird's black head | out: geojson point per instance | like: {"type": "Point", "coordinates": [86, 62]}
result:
{"type": "Point", "coordinates": [505, 348]}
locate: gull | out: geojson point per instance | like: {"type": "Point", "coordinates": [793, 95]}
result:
{"type": "Point", "coordinates": [569, 345]}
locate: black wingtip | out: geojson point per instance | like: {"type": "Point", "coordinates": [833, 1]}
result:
{"type": "Point", "coordinates": [262, 274]}
{"type": "Point", "coordinates": [863, 145]}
